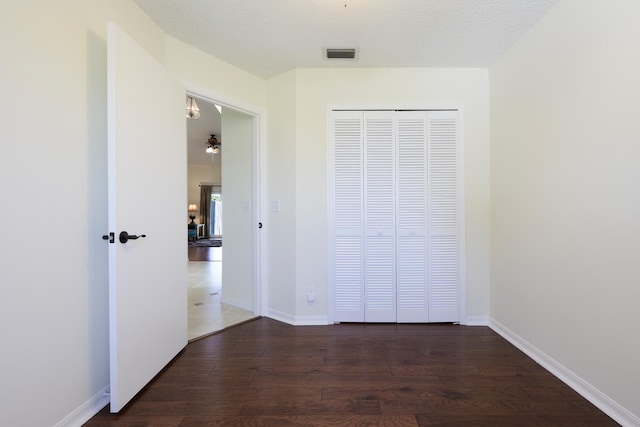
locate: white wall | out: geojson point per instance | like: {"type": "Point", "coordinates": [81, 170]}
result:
{"type": "Point", "coordinates": [214, 79]}
{"type": "Point", "coordinates": [565, 168]}
{"type": "Point", "coordinates": [53, 310]}
{"type": "Point", "coordinates": [196, 175]}
{"type": "Point", "coordinates": [319, 89]}
{"type": "Point", "coordinates": [564, 158]}
{"type": "Point", "coordinates": [228, 85]}
{"type": "Point", "coordinates": [280, 226]}
{"type": "Point", "coordinates": [53, 274]}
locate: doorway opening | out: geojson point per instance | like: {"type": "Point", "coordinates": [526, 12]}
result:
{"type": "Point", "coordinates": [221, 297]}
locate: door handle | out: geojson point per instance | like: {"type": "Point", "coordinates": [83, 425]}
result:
{"type": "Point", "coordinates": [124, 237]}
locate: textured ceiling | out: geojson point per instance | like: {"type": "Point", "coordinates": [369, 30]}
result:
{"type": "Point", "coordinates": [268, 37]}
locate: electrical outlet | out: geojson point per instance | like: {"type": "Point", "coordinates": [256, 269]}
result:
{"type": "Point", "coordinates": [311, 294]}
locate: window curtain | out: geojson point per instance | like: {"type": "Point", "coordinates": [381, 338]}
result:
{"type": "Point", "coordinates": [205, 208]}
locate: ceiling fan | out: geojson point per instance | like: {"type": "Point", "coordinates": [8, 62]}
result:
{"type": "Point", "coordinates": [213, 146]}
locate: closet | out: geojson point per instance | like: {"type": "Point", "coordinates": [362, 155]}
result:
{"type": "Point", "coordinates": [395, 216]}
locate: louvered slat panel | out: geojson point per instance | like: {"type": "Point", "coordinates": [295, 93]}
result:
{"type": "Point", "coordinates": [379, 218]}
{"type": "Point", "coordinates": [349, 280]}
{"type": "Point", "coordinates": [412, 279]}
{"type": "Point", "coordinates": [411, 275]}
{"type": "Point", "coordinates": [348, 231]}
{"type": "Point", "coordinates": [410, 170]}
{"type": "Point", "coordinates": [380, 288]}
{"type": "Point", "coordinates": [348, 176]}
{"type": "Point", "coordinates": [443, 193]}
{"type": "Point", "coordinates": [443, 278]}
{"type": "Point", "coordinates": [443, 218]}
{"type": "Point", "coordinates": [379, 179]}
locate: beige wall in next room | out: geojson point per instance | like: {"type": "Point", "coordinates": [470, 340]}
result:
{"type": "Point", "coordinates": [200, 174]}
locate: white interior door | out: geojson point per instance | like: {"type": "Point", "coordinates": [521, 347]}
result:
{"type": "Point", "coordinates": [238, 214]}
{"type": "Point", "coordinates": [147, 196]}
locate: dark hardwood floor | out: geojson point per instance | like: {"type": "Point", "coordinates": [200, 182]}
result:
{"type": "Point", "coordinates": [202, 254]}
{"type": "Point", "coordinates": [266, 373]}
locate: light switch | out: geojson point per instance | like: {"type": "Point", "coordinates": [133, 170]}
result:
{"type": "Point", "coordinates": [275, 206]}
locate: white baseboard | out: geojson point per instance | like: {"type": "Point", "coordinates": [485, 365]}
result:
{"type": "Point", "coordinates": [324, 320]}
{"type": "Point", "coordinates": [297, 320]}
{"type": "Point", "coordinates": [586, 390]}
{"type": "Point", "coordinates": [311, 320]}
{"type": "Point", "coordinates": [87, 410]}
{"type": "Point", "coordinates": [280, 316]}
{"type": "Point", "coordinates": [476, 321]}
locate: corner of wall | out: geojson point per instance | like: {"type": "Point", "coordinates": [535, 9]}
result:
{"type": "Point", "coordinates": [87, 410]}
{"type": "Point", "coordinates": [582, 387]}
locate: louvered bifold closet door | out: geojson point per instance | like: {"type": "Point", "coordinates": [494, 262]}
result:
{"type": "Point", "coordinates": [348, 231]}
{"type": "Point", "coordinates": [379, 218]}
{"type": "Point", "coordinates": [444, 215]}
{"type": "Point", "coordinates": [411, 217]}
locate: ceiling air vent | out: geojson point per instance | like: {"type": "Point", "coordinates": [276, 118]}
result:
{"type": "Point", "coordinates": [348, 53]}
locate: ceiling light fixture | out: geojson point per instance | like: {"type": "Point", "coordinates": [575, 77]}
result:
{"type": "Point", "coordinates": [193, 112]}
{"type": "Point", "coordinates": [214, 145]}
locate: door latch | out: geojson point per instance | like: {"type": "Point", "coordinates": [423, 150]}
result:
{"type": "Point", "coordinates": [110, 237]}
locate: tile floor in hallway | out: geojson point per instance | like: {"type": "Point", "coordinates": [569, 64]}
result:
{"type": "Point", "coordinates": [206, 313]}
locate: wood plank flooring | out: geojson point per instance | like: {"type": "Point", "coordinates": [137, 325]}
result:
{"type": "Point", "coordinates": [266, 373]}
{"type": "Point", "coordinates": [202, 254]}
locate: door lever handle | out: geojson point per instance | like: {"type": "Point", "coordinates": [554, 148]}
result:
{"type": "Point", "coordinates": [124, 237]}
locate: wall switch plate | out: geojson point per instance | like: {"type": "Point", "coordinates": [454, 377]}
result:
{"type": "Point", "coordinates": [311, 294]}
{"type": "Point", "coordinates": [275, 206]}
